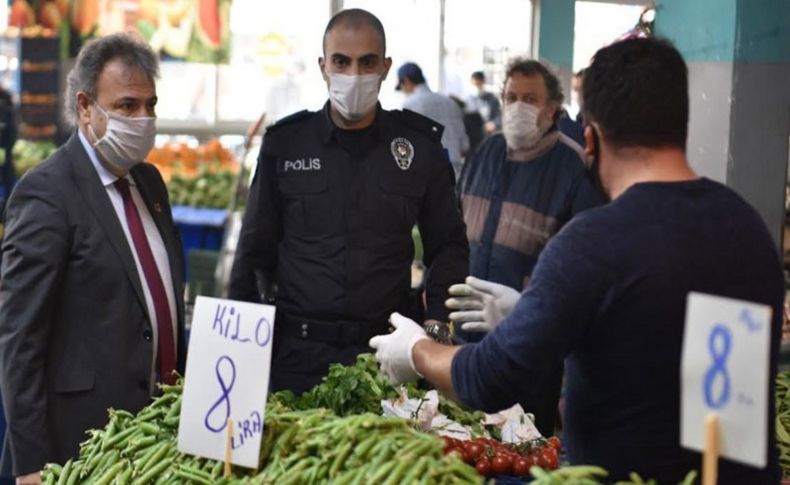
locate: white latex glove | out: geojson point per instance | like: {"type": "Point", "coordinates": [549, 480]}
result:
{"type": "Point", "coordinates": [482, 304]}
{"type": "Point", "coordinates": [393, 351]}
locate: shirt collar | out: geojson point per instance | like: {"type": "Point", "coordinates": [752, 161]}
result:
{"type": "Point", "coordinates": [107, 178]}
{"type": "Point", "coordinates": [328, 127]}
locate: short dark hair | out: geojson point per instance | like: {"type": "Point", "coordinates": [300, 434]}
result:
{"type": "Point", "coordinates": [412, 72]}
{"type": "Point", "coordinates": [636, 90]}
{"type": "Point", "coordinates": [356, 18]}
{"type": "Point", "coordinates": [530, 67]}
{"type": "Point", "coordinates": [580, 73]}
{"type": "Point", "coordinates": [479, 75]}
{"type": "Point", "coordinates": [84, 76]}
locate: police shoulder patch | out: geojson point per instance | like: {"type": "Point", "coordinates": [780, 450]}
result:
{"type": "Point", "coordinates": [290, 119]}
{"type": "Point", "coordinates": [422, 123]}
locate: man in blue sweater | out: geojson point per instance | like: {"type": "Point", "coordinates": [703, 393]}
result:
{"type": "Point", "coordinates": [609, 292]}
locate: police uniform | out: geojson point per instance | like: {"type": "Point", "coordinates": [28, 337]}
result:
{"type": "Point", "coordinates": [328, 227]}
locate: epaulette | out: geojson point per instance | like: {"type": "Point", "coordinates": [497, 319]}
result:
{"type": "Point", "coordinates": [292, 118]}
{"type": "Point", "coordinates": [422, 123]}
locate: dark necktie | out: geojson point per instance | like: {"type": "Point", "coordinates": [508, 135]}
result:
{"type": "Point", "coordinates": [167, 358]}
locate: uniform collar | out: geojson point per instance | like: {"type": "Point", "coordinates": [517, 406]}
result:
{"type": "Point", "coordinates": [328, 127]}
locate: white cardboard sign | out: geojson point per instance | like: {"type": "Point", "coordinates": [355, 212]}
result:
{"type": "Point", "coordinates": [724, 371]}
{"type": "Point", "coordinates": [227, 375]}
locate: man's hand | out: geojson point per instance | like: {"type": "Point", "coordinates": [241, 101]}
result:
{"type": "Point", "coordinates": [394, 351]}
{"type": "Point", "coordinates": [32, 479]}
{"type": "Point", "coordinates": [482, 304]}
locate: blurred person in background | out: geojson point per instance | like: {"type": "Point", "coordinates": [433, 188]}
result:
{"type": "Point", "coordinates": [486, 103]}
{"type": "Point", "coordinates": [609, 293]}
{"type": "Point", "coordinates": [571, 121]}
{"type": "Point", "coordinates": [8, 137]}
{"type": "Point", "coordinates": [440, 108]}
{"type": "Point", "coordinates": [91, 289]}
{"type": "Point", "coordinates": [326, 234]}
{"type": "Point", "coordinates": [473, 124]}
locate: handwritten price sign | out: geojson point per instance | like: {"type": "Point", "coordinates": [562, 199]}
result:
{"type": "Point", "coordinates": [227, 376]}
{"type": "Point", "coordinates": [725, 371]}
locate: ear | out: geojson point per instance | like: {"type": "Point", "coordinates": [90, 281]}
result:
{"type": "Point", "coordinates": [322, 67]}
{"type": "Point", "coordinates": [589, 141]}
{"type": "Point", "coordinates": [83, 102]}
{"type": "Point", "coordinates": [552, 110]}
{"type": "Point", "coordinates": [387, 66]}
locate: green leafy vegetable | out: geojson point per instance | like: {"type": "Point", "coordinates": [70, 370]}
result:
{"type": "Point", "coordinates": [346, 390]}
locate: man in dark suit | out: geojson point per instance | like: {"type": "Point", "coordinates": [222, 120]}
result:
{"type": "Point", "coordinates": [91, 300]}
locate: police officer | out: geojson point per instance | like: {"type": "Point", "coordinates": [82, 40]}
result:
{"type": "Point", "coordinates": [327, 229]}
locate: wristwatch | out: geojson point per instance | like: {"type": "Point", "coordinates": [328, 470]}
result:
{"type": "Point", "coordinates": [441, 332]}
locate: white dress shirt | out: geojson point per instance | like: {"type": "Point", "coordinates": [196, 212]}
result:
{"type": "Point", "coordinates": [154, 240]}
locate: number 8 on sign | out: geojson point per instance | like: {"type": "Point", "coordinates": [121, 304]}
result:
{"type": "Point", "coordinates": [719, 346]}
{"type": "Point", "coordinates": [725, 371]}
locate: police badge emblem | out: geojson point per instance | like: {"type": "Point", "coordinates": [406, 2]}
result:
{"type": "Point", "coordinates": [403, 151]}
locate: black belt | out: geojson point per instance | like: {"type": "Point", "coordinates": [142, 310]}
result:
{"type": "Point", "coordinates": [341, 332]}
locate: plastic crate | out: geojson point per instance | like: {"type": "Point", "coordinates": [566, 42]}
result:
{"type": "Point", "coordinates": [202, 263]}
{"type": "Point", "coordinates": [39, 82]}
{"type": "Point", "coordinates": [39, 49]}
{"type": "Point", "coordinates": [39, 113]}
{"type": "Point", "coordinates": [200, 237]}
{"type": "Point", "coordinates": [199, 228]}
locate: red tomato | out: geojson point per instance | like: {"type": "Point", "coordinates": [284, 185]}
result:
{"type": "Point", "coordinates": [550, 458]}
{"type": "Point", "coordinates": [510, 457]}
{"type": "Point", "coordinates": [521, 466]}
{"type": "Point", "coordinates": [474, 449]}
{"type": "Point", "coordinates": [466, 456]}
{"type": "Point", "coordinates": [555, 443]}
{"type": "Point", "coordinates": [462, 454]}
{"type": "Point", "coordinates": [483, 467]}
{"type": "Point", "coordinates": [449, 443]}
{"type": "Point", "coordinates": [540, 459]}
{"type": "Point", "coordinates": [502, 464]}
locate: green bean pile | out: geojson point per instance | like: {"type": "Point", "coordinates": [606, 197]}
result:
{"type": "Point", "coordinates": [316, 447]}
{"type": "Point", "coordinates": [590, 475]}
{"type": "Point", "coordinates": [298, 447]}
{"type": "Point", "coordinates": [783, 420]}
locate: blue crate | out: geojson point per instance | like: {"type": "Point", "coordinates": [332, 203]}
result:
{"type": "Point", "coordinates": [199, 228]}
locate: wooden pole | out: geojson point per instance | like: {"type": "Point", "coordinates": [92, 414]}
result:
{"type": "Point", "coordinates": [710, 455]}
{"type": "Point", "coordinates": [228, 447]}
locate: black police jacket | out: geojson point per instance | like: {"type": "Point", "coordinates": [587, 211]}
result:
{"type": "Point", "coordinates": [329, 218]}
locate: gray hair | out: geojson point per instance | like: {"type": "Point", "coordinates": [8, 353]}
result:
{"type": "Point", "coordinates": [129, 49]}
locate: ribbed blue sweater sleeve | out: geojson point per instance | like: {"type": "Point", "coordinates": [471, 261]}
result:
{"type": "Point", "coordinates": [569, 281]}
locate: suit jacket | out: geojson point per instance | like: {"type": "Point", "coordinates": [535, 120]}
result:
{"type": "Point", "coordinates": [75, 335]}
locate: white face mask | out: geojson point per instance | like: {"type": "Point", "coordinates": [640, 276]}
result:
{"type": "Point", "coordinates": [126, 141]}
{"type": "Point", "coordinates": [353, 96]}
{"type": "Point", "coordinates": [520, 125]}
